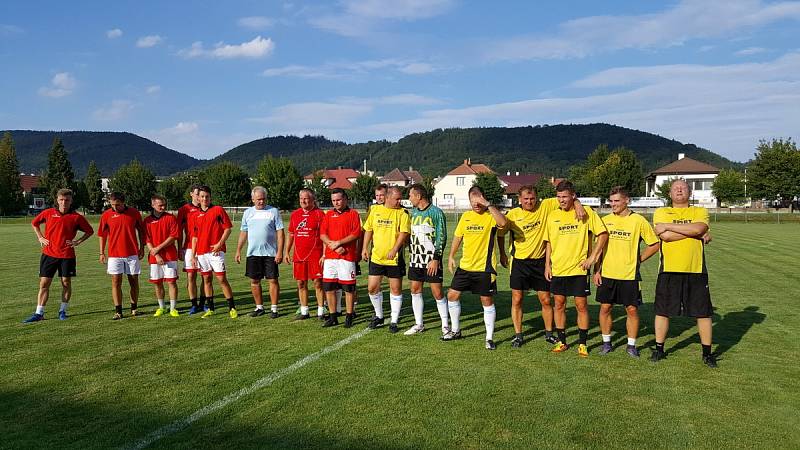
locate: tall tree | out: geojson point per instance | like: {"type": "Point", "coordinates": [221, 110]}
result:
{"type": "Point", "coordinates": [137, 183]}
{"type": "Point", "coordinates": [545, 189]}
{"type": "Point", "coordinates": [321, 191]}
{"type": "Point", "coordinates": [59, 174]}
{"type": "Point", "coordinates": [775, 171]}
{"type": "Point", "coordinates": [491, 186]}
{"type": "Point", "coordinates": [605, 169]}
{"type": "Point", "coordinates": [728, 187]}
{"type": "Point", "coordinates": [363, 190]}
{"type": "Point", "coordinates": [427, 183]}
{"type": "Point", "coordinates": [80, 198]}
{"type": "Point", "coordinates": [93, 180]}
{"type": "Point", "coordinates": [230, 184]}
{"type": "Point", "coordinates": [281, 180]}
{"type": "Point", "coordinates": [11, 198]}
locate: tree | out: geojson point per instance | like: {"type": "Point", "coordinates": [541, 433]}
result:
{"type": "Point", "coordinates": [229, 183]}
{"type": "Point", "coordinates": [59, 174]}
{"type": "Point", "coordinates": [11, 198]}
{"type": "Point", "coordinates": [492, 189]}
{"type": "Point", "coordinates": [137, 183]}
{"type": "Point", "coordinates": [363, 190]}
{"type": "Point", "coordinates": [321, 191]}
{"type": "Point", "coordinates": [729, 187]}
{"type": "Point", "coordinates": [281, 180]}
{"type": "Point", "coordinates": [604, 170]}
{"type": "Point", "coordinates": [545, 189]}
{"type": "Point", "coordinates": [96, 198]}
{"type": "Point", "coordinates": [80, 198]}
{"type": "Point", "coordinates": [174, 190]}
{"type": "Point", "coordinates": [775, 171]}
{"type": "Point", "coordinates": [427, 183]}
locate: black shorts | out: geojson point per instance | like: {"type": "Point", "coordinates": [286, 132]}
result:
{"type": "Point", "coordinates": [358, 269]}
{"type": "Point", "coordinates": [683, 294]}
{"type": "Point", "coordinates": [479, 283]}
{"type": "Point", "coordinates": [329, 286]}
{"type": "Point", "coordinates": [258, 267]}
{"type": "Point", "coordinates": [49, 265]}
{"type": "Point", "coordinates": [573, 286]}
{"type": "Point", "coordinates": [620, 292]}
{"type": "Point", "coordinates": [527, 274]}
{"type": "Point", "coordinates": [421, 274]}
{"type": "Point", "coordinates": [398, 271]}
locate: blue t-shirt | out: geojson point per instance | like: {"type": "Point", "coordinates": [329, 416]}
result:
{"type": "Point", "coordinates": [261, 226]}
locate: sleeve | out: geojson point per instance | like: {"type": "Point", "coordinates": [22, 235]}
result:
{"type": "Point", "coordinates": [646, 232]}
{"type": "Point", "coordinates": [278, 220]}
{"type": "Point", "coordinates": [658, 216]}
{"type": "Point", "coordinates": [368, 222]}
{"type": "Point", "coordinates": [101, 228]}
{"type": "Point", "coordinates": [140, 222]}
{"type": "Point", "coordinates": [596, 225]}
{"type": "Point", "coordinates": [550, 204]}
{"type": "Point", "coordinates": [700, 215]}
{"type": "Point", "coordinates": [441, 234]}
{"type": "Point", "coordinates": [546, 231]}
{"type": "Point", "coordinates": [356, 225]}
{"type": "Point", "coordinates": [39, 219]}
{"type": "Point", "coordinates": [174, 229]}
{"type": "Point", "coordinates": [84, 225]}
{"type": "Point", "coordinates": [181, 215]}
{"type": "Point", "coordinates": [510, 217]}
{"type": "Point", "coordinates": [460, 228]}
{"type": "Point", "coordinates": [148, 236]}
{"type": "Point", "coordinates": [226, 221]}
{"type": "Point", "coordinates": [405, 222]}
{"type": "Point", "coordinates": [245, 218]}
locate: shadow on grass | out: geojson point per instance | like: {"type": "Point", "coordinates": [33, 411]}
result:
{"type": "Point", "coordinates": [729, 330]}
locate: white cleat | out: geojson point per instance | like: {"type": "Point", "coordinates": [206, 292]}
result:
{"type": "Point", "coordinates": [416, 329]}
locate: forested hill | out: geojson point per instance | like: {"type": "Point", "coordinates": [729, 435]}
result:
{"type": "Point", "coordinates": [109, 150]}
{"type": "Point", "coordinates": [545, 149]}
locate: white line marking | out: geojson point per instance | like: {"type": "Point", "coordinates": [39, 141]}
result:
{"type": "Point", "coordinates": [179, 425]}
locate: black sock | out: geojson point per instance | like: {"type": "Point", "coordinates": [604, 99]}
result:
{"type": "Point", "coordinates": [118, 309]}
{"type": "Point", "coordinates": [202, 301]}
{"type": "Point", "coordinates": [210, 301]}
{"type": "Point", "coordinates": [706, 350]}
{"type": "Point", "coordinates": [231, 305]}
{"type": "Point", "coordinates": [548, 334]}
{"type": "Point", "coordinates": [660, 347]}
{"type": "Point", "coordinates": [133, 306]}
{"type": "Point", "coordinates": [562, 335]}
{"type": "Point", "coordinates": [582, 334]}
{"type": "Point", "coordinates": [194, 302]}
{"type": "Point", "coordinates": [519, 335]}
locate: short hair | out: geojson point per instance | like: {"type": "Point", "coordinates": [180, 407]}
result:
{"type": "Point", "coordinates": [619, 190]}
{"type": "Point", "coordinates": [204, 188]}
{"type": "Point", "coordinates": [194, 187]}
{"type": "Point", "coordinates": [395, 189]}
{"type": "Point", "coordinates": [475, 188]}
{"type": "Point", "coordinates": [340, 191]}
{"type": "Point", "coordinates": [527, 188]}
{"type": "Point", "coordinates": [65, 193]}
{"type": "Point", "coordinates": [155, 197]}
{"type": "Point", "coordinates": [309, 192]}
{"type": "Point", "coordinates": [116, 196]}
{"type": "Point", "coordinates": [565, 185]}
{"type": "Point", "coordinates": [420, 189]}
{"type": "Point", "coordinates": [381, 187]}
{"type": "Point", "coordinates": [258, 189]}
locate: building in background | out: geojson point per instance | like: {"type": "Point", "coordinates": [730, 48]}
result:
{"type": "Point", "coordinates": [699, 175]}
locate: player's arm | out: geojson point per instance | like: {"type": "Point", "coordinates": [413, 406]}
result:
{"type": "Point", "coordinates": [279, 254]}
{"type": "Point", "coordinates": [580, 211]}
{"type": "Point", "coordinates": [239, 244]}
{"type": "Point", "coordinates": [548, 271]}
{"type": "Point", "coordinates": [102, 249]}
{"type": "Point", "coordinates": [598, 268]}
{"type": "Point", "coordinates": [500, 219]}
{"type": "Point", "coordinates": [441, 236]}
{"type": "Point", "coordinates": [287, 253]}
{"type": "Point", "coordinates": [140, 229]}
{"type": "Point", "coordinates": [88, 231]}
{"type": "Point", "coordinates": [649, 251]}
{"type": "Point", "coordinates": [694, 230]}
{"type": "Point", "coordinates": [194, 251]}
{"type": "Point", "coordinates": [225, 234]}
{"type": "Point", "coordinates": [365, 241]}
{"type": "Point", "coordinates": [38, 231]}
{"type": "Point", "coordinates": [398, 244]}
{"type": "Point", "coordinates": [451, 260]}
{"type": "Point", "coordinates": [594, 256]}
{"type": "Point", "coordinates": [501, 244]}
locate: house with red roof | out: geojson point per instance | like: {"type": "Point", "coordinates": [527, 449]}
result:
{"type": "Point", "coordinates": [402, 178]}
{"type": "Point", "coordinates": [335, 178]}
{"type": "Point", "coordinates": [451, 191]}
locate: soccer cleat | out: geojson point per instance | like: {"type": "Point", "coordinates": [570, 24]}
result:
{"type": "Point", "coordinates": [62, 315]}
{"type": "Point", "coordinates": [606, 348]}
{"type": "Point", "coordinates": [348, 320]}
{"type": "Point", "coordinates": [710, 360]}
{"type": "Point", "coordinates": [233, 313]}
{"type": "Point", "coordinates": [393, 328]}
{"type": "Point", "coordinates": [657, 356]}
{"type": "Point", "coordinates": [257, 312]}
{"type": "Point", "coordinates": [207, 314]}
{"type": "Point", "coordinates": [416, 329]}
{"type": "Point", "coordinates": [174, 313]}
{"type": "Point", "coordinates": [194, 310]}
{"type": "Point", "coordinates": [134, 313]}
{"type": "Point", "coordinates": [331, 321]}
{"type": "Point", "coordinates": [451, 336]}
{"type": "Point", "coordinates": [559, 347]}
{"type": "Point", "coordinates": [34, 318]}
{"type": "Point", "coordinates": [516, 341]}
{"type": "Point", "coordinates": [490, 345]}
{"type": "Point", "coordinates": [301, 316]}
{"type": "Point", "coordinates": [117, 316]}
{"type": "Point", "coordinates": [583, 351]}
{"type": "Point", "coordinates": [551, 339]}
{"type": "Point", "coordinates": [377, 322]}
{"type": "Point", "coordinates": [631, 349]}
{"type": "Point", "coordinates": [159, 312]}
{"type": "Point", "coordinates": [273, 314]}
{"type": "Point", "coordinates": [324, 314]}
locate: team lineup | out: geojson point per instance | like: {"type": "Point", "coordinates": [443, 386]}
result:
{"type": "Point", "coordinates": [556, 247]}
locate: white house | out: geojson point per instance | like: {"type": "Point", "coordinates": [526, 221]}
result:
{"type": "Point", "coordinates": [451, 190]}
{"type": "Point", "coordinates": [699, 175]}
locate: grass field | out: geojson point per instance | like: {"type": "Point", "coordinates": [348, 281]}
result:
{"type": "Point", "coordinates": [89, 382]}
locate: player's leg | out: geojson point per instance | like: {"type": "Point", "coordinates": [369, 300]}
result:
{"type": "Point", "coordinates": [560, 319]}
{"type": "Point", "coordinates": [489, 317]}
{"type": "Point", "coordinates": [160, 292]}
{"type": "Point", "coordinates": [704, 327]}
{"type": "Point", "coordinates": [116, 294]}
{"type": "Point", "coordinates": [516, 316]}
{"type": "Point", "coordinates": [605, 320]}
{"type": "Point", "coordinates": [582, 309]}
{"type": "Point", "coordinates": [172, 289]}
{"type": "Point", "coordinates": [395, 302]}
{"type": "Point", "coordinates": [191, 288]}
{"type": "Point", "coordinates": [133, 283]}
{"type": "Point", "coordinates": [417, 305]}
{"type": "Point", "coordinates": [275, 294]}
{"type": "Point", "coordinates": [302, 295]}
{"type": "Point", "coordinates": [258, 297]}
{"type": "Point", "coordinates": [441, 305]}
{"type": "Point", "coordinates": [350, 304]}
{"type": "Point", "coordinates": [330, 293]}
{"type": "Point", "coordinates": [41, 299]}
{"type": "Point", "coordinates": [66, 295]}
{"type": "Point", "coordinates": [227, 291]}
{"type": "Point", "coordinates": [208, 292]}
{"type": "Point", "coordinates": [547, 315]}
{"type": "Point", "coordinates": [454, 312]}
{"type": "Point", "coordinates": [320, 294]}
{"type": "Point", "coordinates": [632, 327]}
{"type": "Point", "coordinates": [376, 298]}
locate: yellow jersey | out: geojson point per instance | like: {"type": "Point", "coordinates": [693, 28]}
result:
{"type": "Point", "coordinates": [477, 247]}
{"type": "Point", "coordinates": [686, 255]}
{"type": "Point", "coordinates": [570, 240]}
{"type": "Point", "coordinates": [527, 229]}
{"type": "Point", "coordinates": [386, 224]}
{"type": "Point", "coordinates": [621, 258]}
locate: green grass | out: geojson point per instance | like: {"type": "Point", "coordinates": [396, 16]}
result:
{"type": "Point", "coordinates": [93, 383]}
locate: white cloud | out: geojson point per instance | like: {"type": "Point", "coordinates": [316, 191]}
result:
{"type": "Point", "coordinates": [688, 20]}
{"type": "Point", "coordinates": [256, 23]}
{"type": "Point", "coordinates": [362, 17]}
{"type": "Point", "coordinates": [182, 128]}
{"type": "Point", "coordinates": [350, 69]}
{"type": "Point", "coordinates": [154, 89]}
{"type": "Point", "coordinates": [118, 109]}
{"type": "Point", "coordinates": [113, 34]}
{"type": "Point", "coordinates": [149, 41]}
{"type": "Point", "coordinates": [189, 138]}
{"type": "Point", "coordinates": [62, 84]}
{"type": "Point", "coordinates": [751, 51]}
{"type": "Point", "coordinates": [257, 48]}
{"type": "Point", "coordinates": [315, 114]}
{"type": "Point", "coordinates": [394, 100]}
{"type": "Point", "coordinates": [417, 69]}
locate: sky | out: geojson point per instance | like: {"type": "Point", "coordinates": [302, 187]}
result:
{"type": "Point", "coordinates": [202, 77]}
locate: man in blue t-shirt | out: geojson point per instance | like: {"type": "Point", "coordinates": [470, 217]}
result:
{"type": "Point", "coordinates": [262, 228]}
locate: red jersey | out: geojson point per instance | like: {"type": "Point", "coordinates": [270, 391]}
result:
{"type": "Point", "coordinates": [186, 223]}
{"type": "Point", "coordinates": [338, 225]}
{"type": "Point", "coordinates": [120, 230]}
{"type": "Point", "coordinates": [209, 225]}
{"type": "Point", "coordinates": [60, 228]}
{"type": "Point", "coordinates": [158, 229]}
{"type": "Point", "coordinates": [304, 227]}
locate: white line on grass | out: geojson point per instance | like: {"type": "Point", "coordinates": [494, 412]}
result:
{"type": "Point", "coordinates": [179, 425]}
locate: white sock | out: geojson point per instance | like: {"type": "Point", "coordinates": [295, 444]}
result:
{"type": "Point", "coordinates": [631, 341]}
{"type": "Point", "coordinates": [304, 310]}
{"type": "Point", "coordinates": [377, 304]}
{"type": "Point", "coordinates": [259, 307]}
{"type": "Point", "coordinates": [418, 305]}
{"type": "Point", "coordinates": [339, 301]}
{"type": "Point", "coordinates": [489, 316]}
{"type": "Point", "coordinates": [161, 303]}
{"type": "Point", "coordinates": [606, 338]}
{"type": "Point", "coordinates": [320, 311]}
{"type": "Point", "coordinates": [273, 308]}
{"type": "Point", "coordinates": [454, 308]}
{"type": "Point", "coordinates": [396, 303]}
{"type": "Point", "coordinates": [441, 305]}
{"type": "Point", "coordinates": [40, 309]}
{"type": "Point", "coordinates": [173, 304]}
{"type": "Point", "coordinates": [63, 307]}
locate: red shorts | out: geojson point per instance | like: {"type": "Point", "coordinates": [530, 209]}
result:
{"type": "Point", "coordinates": [308, 269]}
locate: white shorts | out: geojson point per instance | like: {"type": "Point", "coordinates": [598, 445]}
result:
{"type": "Point", "coordinates": [124, 266]}
{"type": "Point", "coordinates": [187, 261]}
{"type": "Point", "coordinates": [339, 271]}
{"type": "Point", "coordinates": [208, 263]}
{"type": "Point", "coordinates": [166, 272]}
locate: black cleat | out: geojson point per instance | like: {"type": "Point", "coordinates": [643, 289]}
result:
{"type": "Point", "coordinates": [657, 356]}
{"type": "Point", "coordinates": [393, 328]}
{"type": "Point", "coordinates": [517, 341]}
{"type": "Point", "coordinates": [273, 314]}
{"type": "Point", "coordinates": [552, 339]}
{"type": "Point", "coordinates": [257, 313]}
{"type": "Point", "coordinates": [331, 321]}
{"type": "Point", "coordinates": [348, 320]}
{"type": "Point", "coordinates": [302, 317]}
{"type": "Point", "coordinates": [377, 322]}
{"type": "Point", "coordinates": [710, 360]}
{"type": "Point", "coordinates": [451, 336]}
{"type": "Point", "coordinates": [490, 345]}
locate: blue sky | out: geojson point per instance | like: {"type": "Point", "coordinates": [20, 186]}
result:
{"type": "Point", "coordinates": [201, 77]}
